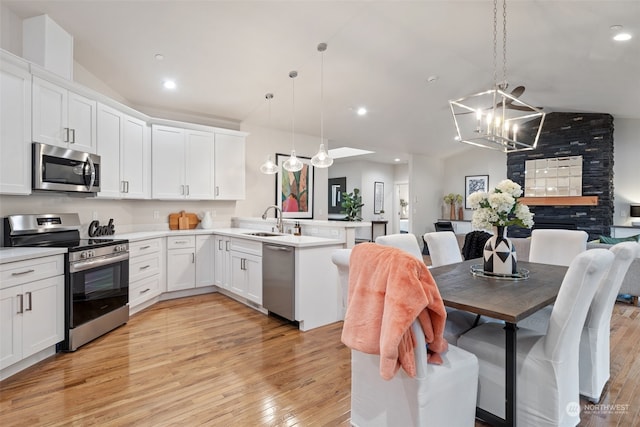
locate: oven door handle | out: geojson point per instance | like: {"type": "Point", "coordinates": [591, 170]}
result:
{"type": "Point", "coordinates": [97, 262]}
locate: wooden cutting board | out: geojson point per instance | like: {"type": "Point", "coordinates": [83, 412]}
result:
{"type": "Point", "coordinates": [183, 221]}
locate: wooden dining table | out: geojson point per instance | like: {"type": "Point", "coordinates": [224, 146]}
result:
{"type": "Point", "coordinates": [503, 299]}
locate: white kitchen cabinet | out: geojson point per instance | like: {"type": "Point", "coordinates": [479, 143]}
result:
{"type": "Point", "coordinates": [222, 261]}
{"type": "Point", "coordinates": [31, 307]}
{"type": "Point", "coordinates": [182, 163]}
{"type": "Point", "coordinates": [181, 262]}
{"type": "Point", "coordinates": [125, 154]}
{"type": "Point", "coordinates": [205, 245]}
{"type": "Point", "coordinates": [146, 271]}
{"type": "Point", "coordinates": [246, 269]}
{"type": "Point", "coordinates": [62, 117]}
{"type": "Point", "coordinates": [15, 126]}
{"type": "Point", "coordinates": [229, 167]}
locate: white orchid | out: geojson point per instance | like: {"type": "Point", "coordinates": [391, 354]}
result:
{"type": "Point", "coordinates": [500, 207]}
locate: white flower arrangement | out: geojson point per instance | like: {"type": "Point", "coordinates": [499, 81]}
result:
{"type": "Point", "coordinates": [500, 207]}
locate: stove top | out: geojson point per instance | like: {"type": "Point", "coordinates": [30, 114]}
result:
{"type": "Point", "coordinates": [77, 244]}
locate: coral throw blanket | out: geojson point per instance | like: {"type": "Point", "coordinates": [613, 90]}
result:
{"type": "Point", "coordinates": [388, 289]}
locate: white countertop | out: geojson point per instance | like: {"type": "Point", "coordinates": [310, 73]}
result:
{"type": "Point", "coordinates": [21, 254]}
{"type": "Point", "coordinates": [284, 239]}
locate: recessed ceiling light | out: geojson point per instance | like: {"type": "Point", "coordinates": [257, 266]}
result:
{"type": "Point", "coordinates": [396, 159]}
{"type": "Point", "coordinates": [362, 111]}
{"type": "Point", "coordinates": [622, 37]}
{"type": "Point", "coordinates": [169, 84]}
{"type": "Point", "coordinates": [159, 56]}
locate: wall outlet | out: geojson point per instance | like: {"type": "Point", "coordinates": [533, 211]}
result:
{"type": "Point", "coordinates": [156, 215]}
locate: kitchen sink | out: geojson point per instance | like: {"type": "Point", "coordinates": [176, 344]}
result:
{"type": "Point", "coordinates": [262, 234]}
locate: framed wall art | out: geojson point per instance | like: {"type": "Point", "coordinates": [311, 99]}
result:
{"type": "Point", "coordinates": [474, 183]}
{"type": "Point", "coordinates": [378, 197]}
{"type": "Point", "coordinates": [294, 190]}
{"type": "Point", "coordinates": [337, 186]}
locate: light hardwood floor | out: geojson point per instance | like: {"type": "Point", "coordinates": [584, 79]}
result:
{"type": "Point", "coordinates": [208, 360]}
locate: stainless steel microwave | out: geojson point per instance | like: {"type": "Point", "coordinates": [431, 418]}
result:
{"type": "Point", "coordinates": [61, 169]}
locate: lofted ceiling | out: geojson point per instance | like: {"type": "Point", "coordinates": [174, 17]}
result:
{"type": "Point", "coordinates": [226, 55]}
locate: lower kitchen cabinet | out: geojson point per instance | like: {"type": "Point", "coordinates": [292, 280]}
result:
{"type": "Point", "coordinates": [246, 276]}
{"type": "Point", "coordinates": [190, 261]}
{"type": "Point", "coordinates": [222, 261]}
{"type": "Point", "coordinates": [146, 271]}
{"type": "Point", "coordinates": [205, 245]}
{"type": "Point", "coordinates": [31, 307]}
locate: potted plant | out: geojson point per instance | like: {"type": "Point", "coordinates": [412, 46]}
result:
{"type": "Point", "coordinates": [451, 199]}
{"type": "Point", "coordinates": [352, 205]}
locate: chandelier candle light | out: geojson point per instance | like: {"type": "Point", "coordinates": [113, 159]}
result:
{"type": "Point", "coordinates": [495, 118]}
{"type": "Point", "coordinates": [497, 210]}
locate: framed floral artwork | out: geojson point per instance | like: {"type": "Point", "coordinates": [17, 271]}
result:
{"type": "Point", "coordinates": [294, 190]}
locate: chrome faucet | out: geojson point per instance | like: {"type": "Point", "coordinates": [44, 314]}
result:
{"type": "Point", "coordinates": [278, 217]}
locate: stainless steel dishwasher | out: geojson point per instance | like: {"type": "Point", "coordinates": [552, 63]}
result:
{"type": "Point", "coordinates": [278, 280]}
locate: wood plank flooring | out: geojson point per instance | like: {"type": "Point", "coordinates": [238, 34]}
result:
{"type": "Point", "coordinates": [208, 360]}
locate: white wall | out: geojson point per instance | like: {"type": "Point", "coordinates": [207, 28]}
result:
{"type": "Point", "coordinates": [261, 188]}
{"type": "Point", "coordinates": [10, 31]}
{"type": "Point", "coordinates": [626, 168]}
{"type": "Point", "coordinates": [426, 180]}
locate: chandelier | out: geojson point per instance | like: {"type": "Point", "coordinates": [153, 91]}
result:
{"type": "Point", "coordinates": [293, 164]}
{"type": "Point", "coordinates": [269, 167]}
{"type": "Point", "coordinates": [495, 118]}
{"type": "Point", "coordinates": [322, 158]}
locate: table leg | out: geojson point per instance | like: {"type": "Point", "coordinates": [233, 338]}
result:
{"type": "Point", "coordinates": [510, 373]}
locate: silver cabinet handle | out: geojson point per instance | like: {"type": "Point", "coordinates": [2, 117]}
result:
{"type": "Point", "coordinates": [122, 186]}
{"type": "Point", "coordinates": [226, 245]}
{"type": "Point", "coordinates": [182, 190]}
{"type": "Point", "coordinates": [144, 267]}
{"type": "Point", "coordinates": [217, 190]}
{"type": "Point", "coordinates": [73, 136]}
{"type": "Point", "coordinates": [187, 189]}
{"type": "Point", "coordinates": [193, 258]}
{"type": "Point", "coordinates": [66, 135]}
{"type": "Point", "coordinates": [145, 247]}
{"type": "Point", "coordinates": [20, 304]}
{"type": "Point", "coordinates": [29, 302]}
{"type": "Point", "coordinates": [145, 291]}
{"type": "Point", "coordinates": [219, 245]}
{"type": "Point", "coordinates": [20, 273]}
{"type": "Point", "coordinates": [181, 242]}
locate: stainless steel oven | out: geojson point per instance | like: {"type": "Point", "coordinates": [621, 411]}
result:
{"type": "Point", "coordinates": [61, 169]}
{"type": "Point", "coordinates": [96, 273]}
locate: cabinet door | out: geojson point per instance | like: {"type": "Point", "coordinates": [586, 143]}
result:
{"type": "Point", "coordinates": [167, 167]}
{"type": "Point", "coordinates": [229, 167]}
{"type": "Point", "coordinates": [15, 129]}
{"type": "Point", "coordinates": [181, 269]}
{"type": "Point", "coordinates": [49, 124]}
{"type": "Point", "coordinates": [109, 140]}
{"type": "Point", "coordinates": [221, 262]}
{"type": "Point", "coordinates": [10, 327]}
{"type": "Point", "coordinates": [204, 260]}
{"type": "Point", "coordinates": [253, 273]}
{"type": "Point", "coordinates": [135, 158]}
{"type": "Point", "coordinates": [199, 165]}
{"type": "Point", "coordinates": [238, 278]}
{"type": "Point", "coordinates": [82, 123]}
{"type": "Point", "coordinates": [43, 322]}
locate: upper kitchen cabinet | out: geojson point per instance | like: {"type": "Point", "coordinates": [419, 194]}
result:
{"type": "Point", "coordinates": [125, 153]}
{"type": "Point", "coordinates": [15, 125]}
{"type": "Point", "coordinates": [182, 163]}
{"type": "Point", "coordinates": [62, 117]}
{"type": "Point", "coordinates": [229, 168]}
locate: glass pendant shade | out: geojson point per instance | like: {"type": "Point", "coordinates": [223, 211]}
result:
{"type": "Point", "coordinates": [292, 164]}
{"type": "Point", "coordinates": [269, 167]}
{"type": "Point", "coordinates": [321, 159]}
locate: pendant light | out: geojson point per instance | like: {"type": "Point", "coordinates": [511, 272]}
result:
{"type": "Point", "coordinates": [322, 159]}
{"type": "Point", "coordinates": [495, 118]}
{"type": "Point", "coordinates": [293, 164]}
{"type": "Point", "coordinates": [269, 167]}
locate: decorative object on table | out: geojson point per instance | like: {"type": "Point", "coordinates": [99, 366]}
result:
{"type": "Point", "coordinates": [378, 197]}
{"type": "Point", "coordinates": [294, 190]}
{"type": "Point", "coordinates": [451, 200]}
{"type": "Point", "coordinates": [381, 215]}
{"type": "Point", "coordinates": [183, 221]}
{"type": "Point", "coordinates": [495, 118]}
{"type": "Point", "coordinates": [206, 220]}
{"type": "Point", "coordinates": [499, 209]}
{"type": "Point", "coordinates": [352, 205]}
{"type": "Point", "coordinates": [337, 186]}
{"type": "Point", "coordinates": [473, 184]}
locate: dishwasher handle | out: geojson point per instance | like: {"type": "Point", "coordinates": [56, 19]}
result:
{"type": "Point", "coordinates": [278, 248]}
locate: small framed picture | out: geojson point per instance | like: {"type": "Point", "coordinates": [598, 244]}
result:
{"type": "Point", "coordinates": [474, 183]}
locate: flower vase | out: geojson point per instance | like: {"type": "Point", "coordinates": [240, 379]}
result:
{"type": "Point", "coordinates": [452, 213]}
{"type": "Point", "coordinates": [460, 214]}
{"type": "Point", "coordinates": [499, 253]}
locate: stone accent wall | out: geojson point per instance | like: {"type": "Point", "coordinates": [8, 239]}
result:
{"type": "Point", "coordinates": [574, 134]}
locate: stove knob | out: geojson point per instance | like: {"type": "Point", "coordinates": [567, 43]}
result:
{"type": "Point", "coordinates": [83, 255]}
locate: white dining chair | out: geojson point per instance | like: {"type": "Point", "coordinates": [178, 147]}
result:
{"type": "Point", "coordinates": [547, 363]}
{"type": "Point", "coordinates": [594, 341]}
{"type": "Point", "coordinates": [438, 395]}
{"type": "Point", "coordinates": [444, 249]}
{"type": "Point", "coordinates": [405, 241]}
{"type": "Point", "coordinates": [340, 258]}
{"type": "Point", "coordinates": [556, 247]}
